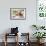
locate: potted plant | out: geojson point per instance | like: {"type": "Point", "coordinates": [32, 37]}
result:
{"type": "Point", "coordinates": [39, 36]}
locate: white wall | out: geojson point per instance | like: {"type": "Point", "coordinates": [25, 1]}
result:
{"type": "Point", "coordinates": [24, 25]}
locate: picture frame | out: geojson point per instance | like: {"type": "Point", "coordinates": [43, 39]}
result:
{"type": "Point", "coordinates": [17, 13]}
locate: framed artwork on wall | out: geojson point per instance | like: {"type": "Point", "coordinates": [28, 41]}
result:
{"type": "Point", "coordinates": [17, 13]}
{"type": "Point", "coordinates": [41, 8]}
{"type": "Point", "coordinates": [41, 12]}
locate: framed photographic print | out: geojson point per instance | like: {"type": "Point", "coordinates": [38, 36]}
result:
{"type": "Point", "coordinates": [17, 13]}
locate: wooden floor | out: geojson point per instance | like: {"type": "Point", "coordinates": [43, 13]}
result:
{"type": "Point", "coordinates": [13, 44]}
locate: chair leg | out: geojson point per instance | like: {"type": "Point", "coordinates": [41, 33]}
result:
{"type": "Point", "coordinates": [5, 43]}
{"type": "Point", "coordinates": [5, 40]}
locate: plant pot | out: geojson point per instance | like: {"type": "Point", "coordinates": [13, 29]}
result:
{"type": "Point", "coordinates": [40, 41]}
